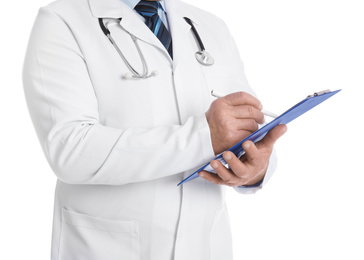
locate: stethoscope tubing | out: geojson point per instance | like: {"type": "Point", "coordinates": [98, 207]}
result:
{"type": "Point", "coordinates": [202, 55]}
{"type": "Point", "coordinates": [196, 34]}
{"type": "Point", "coordinates": [106, 31]}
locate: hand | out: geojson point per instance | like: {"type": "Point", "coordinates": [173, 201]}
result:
{"type": "Point", "coordinates": [233, 118]}
{"type": "Point", "coordinates": [251, 167]}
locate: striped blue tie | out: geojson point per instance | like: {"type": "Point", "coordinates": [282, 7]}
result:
{"type": "Point", "coordinates": [149, 10]}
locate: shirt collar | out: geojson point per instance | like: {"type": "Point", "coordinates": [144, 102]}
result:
{"type": "Point", "coordinates": [133, 3]}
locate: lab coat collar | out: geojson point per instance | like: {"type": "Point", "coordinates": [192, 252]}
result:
{"type": "Point", "coordinates": [130, 3]}
{"type": "Point", "coordinates": [107, 8]}
{"type": "Point", "coordinates": [117, 9]}
{"type": "Point", "coordinates": [176, 11]}
{"type": "Point", "coordinates": [133, 3]}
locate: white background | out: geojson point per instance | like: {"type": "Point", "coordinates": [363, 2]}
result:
{"type": "Point", "coordinates": [313, 206]}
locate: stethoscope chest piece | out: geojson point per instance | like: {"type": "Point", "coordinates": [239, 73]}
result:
{"type": "Point", "coordinates": [204, 58]}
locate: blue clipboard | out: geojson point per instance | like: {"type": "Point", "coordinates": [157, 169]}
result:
{"type": "Point", "coordinates": [291, 114]}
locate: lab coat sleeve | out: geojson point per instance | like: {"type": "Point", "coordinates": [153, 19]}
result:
{"type": "Point", "coordinates": [64, 111]}
{"type": "Point", "coordinates": [237, 69]}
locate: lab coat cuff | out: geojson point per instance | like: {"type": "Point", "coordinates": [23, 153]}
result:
{"type": "Point", "coordinates": [205, 138]}
{"type": "Point", "coordinates": [250, 189]}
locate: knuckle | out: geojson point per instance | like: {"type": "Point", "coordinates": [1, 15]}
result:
{"type": "Point", "coordinates": [215, 102]}
{"type": "Point", "coordinates": [234, 138]}
{"type": "Point", "coordinates": [230, 183]}
{"type": "Point", "coordinates": [220, 182]}
{"type": "Point", "coordinates": [228, 180]}
{"type": "Point", "coordinates": [255, 161]}
{"type": "Point", "coordinates": [261, 117]}
{"type": "Point", "coordinates": [255, 125]}
{"type": "Point", "coordinates": [230, 134]}
{"type": "Point", "coordinates": [218, 103]}
{"type": "Point", "coordinates": [251, 111]}
{"type": "Point", "coordinates": [241, 174]}
{"type": "Point", "coordinates": [252, 125]}
{"type": "Point", "coordinates": [227, 124]}
{"type": "Point", "coordinates": [243, 95]}
{"type": "Point", "coordinates": [214, 107]}
{"type": "Point", "coordinates": [230, 126]}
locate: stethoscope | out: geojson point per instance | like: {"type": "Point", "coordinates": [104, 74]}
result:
{"type": "Point", "coordinates": [202, 56]}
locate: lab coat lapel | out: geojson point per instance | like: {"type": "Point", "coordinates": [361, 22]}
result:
{"type": "Point", "coordinates": [178, 28]}
{"type": "Point", "coordinates": [107, 8]}
{"type": "Point", "coordinates": [189, 81]}
{"type": "Point", "coordinates": [130, 21]}
{"type": "Point", "coordinates": [135, 26]}
{"type": "Point", "coordinates": [190, 85]}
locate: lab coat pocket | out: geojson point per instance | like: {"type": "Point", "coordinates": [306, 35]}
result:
{"type": "Point", "coordinates": [220, 237]}
{"type": "Point", "coordinates": [219, 79]}
{"type": "Point", "coordinates": [86, 237]}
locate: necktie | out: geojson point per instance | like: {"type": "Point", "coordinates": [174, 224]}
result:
{"type": "Point", "coordinates": [149, 10]}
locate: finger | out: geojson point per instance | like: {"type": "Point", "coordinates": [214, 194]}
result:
{"type": "Point", "coordinates": [252, 153]}
{"type": "Point", "coordinates": [242, 98]}
{"type": "Point", "coordinates": [272, 136]}
{"type": "Point", "coordinates": [247, 111]}
{"type": "Point", "coordinates": [235, 164]}
{"type": "Point", "coordinates": [225, 174]}
{"type": "Point", "coordinates": [211, 177]}
{"type": "Point", "coordinates": [249, 125]}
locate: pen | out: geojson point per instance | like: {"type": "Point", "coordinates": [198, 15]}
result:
{"type": "Point", "coordinates": [218, 94]}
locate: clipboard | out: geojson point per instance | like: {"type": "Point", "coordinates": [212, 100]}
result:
{"type": "Point", "coordinates": [297, 110]}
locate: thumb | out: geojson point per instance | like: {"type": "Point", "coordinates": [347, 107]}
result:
{"type": "Point", "coordinates": [272, 136]}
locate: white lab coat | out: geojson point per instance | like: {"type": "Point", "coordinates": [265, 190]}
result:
{"type": "Point", "coordinates": [120, 146]}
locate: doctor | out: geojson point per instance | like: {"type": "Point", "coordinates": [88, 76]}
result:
{"type": "Point", "coordinates": [123, 112]}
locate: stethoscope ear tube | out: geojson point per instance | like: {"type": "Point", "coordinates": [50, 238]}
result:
{"type": "Point", "coordinates": [103, 27]}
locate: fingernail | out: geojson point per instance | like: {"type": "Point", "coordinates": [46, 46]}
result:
{"type": "Point", "coordinates": [214, 165]}
{"type": "Point", "coordinates": [227, 156]}
{"type": "Point", "coordinates": [285, 129]}
{"type": "Point", "coordinates": [247, 145]}
{"type": "Point", "coordinates": [201, 174]}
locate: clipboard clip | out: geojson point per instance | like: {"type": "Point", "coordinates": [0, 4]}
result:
{"type": "Point", "coordinates": [319, 93]}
